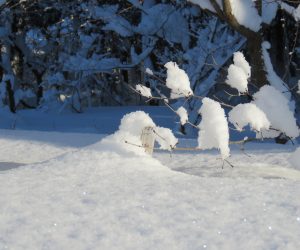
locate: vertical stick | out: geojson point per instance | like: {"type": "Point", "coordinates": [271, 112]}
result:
{"type": "Point", "coordinates": [147, 138]}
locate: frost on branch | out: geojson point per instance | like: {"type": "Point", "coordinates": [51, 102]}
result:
{"type": "Point", "coordinates": [277, 109]}
{"type": "Point", "coordinates": [143, 90]}
{"type": "Point", "coordinates": [178, 81]}
{"type": "Point", "coordinates": [238, 73]}
{"type": "Point", "coordinates": [183, 114]}
{"type": "Point", "coordinates": [214, 132]}
{"type": "Point", "coordinates": [244, 114]}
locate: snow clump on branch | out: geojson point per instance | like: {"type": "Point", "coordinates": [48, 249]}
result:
{"type": "Point", "coordinates": [178, 81]}
{"type": "Point", "coordinates": [165, 138]}
{"type": "Point", "coordinates": [244, 114]}
{"type": "Point", "coordinates": [214, 132]}
{"type": "Point", "coordinates": [183, 114]}
{"type": "Point", "coordinates": [239, 73]}
{"type": "Point", "coordinates": [277, 109]}
{"type": "Point", "coordinates": [143, 90]}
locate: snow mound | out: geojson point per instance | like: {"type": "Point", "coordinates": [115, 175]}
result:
{"type": "Point", "coordinates": [276, 107]}
{"type": "Point", "coordinates": [143, 90]}
{"type": "Point", "coordinates": [128, 138]}
{"type": "Point", "coordinates": [214, 132]}
{"type": "Point", "coordinates": [178, 81]}
{"type": "Point", "coordinates": [295, 158]}
{"type": "Point", "coordinates": [183, 114]}
{"type": "Point", "coordinates": [238, 73]}
{"type": "Point", "coordinates": [244, 114]}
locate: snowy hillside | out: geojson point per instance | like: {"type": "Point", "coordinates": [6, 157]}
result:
{"type": "Point", "coordinates": [76, 192]}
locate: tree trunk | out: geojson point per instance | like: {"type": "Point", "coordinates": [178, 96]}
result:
{"type": "Point", "coordinates": [258, 72]}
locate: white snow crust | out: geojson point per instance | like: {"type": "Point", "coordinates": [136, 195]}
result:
{"type": "Point", "coordinates": [276, 107]}
{"type": "Point", "coordinates": [178, 81]}
{"type": "Point", "coordinates": [214, 132]}
{"type": "Point", "coordinates": [244, 114]}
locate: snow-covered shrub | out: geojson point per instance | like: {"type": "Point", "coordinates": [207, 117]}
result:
{"type": "Point", "coordinates": [165, 138]}
{"type": "Point", "coordinates": [277, 109]}
{"type": "Point", "coordinates": [214, 132]}
{"type": "Point", "coordinates": [295, 158]}
{"type": "Point", "coordinates": [244, 114]}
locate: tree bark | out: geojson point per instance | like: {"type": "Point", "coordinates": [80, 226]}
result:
{"type": "Point", "coordinates": [258, 72]}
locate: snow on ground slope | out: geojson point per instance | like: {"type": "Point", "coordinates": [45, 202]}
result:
{"type": "Point", "coordinates": [95, 198]}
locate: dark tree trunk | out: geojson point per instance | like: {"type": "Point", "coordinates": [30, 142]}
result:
{"type": "Point", "coordinates": [258, 72]}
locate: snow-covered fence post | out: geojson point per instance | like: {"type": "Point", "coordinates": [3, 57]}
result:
{"type": "Point", "coordinates": [147, 139]}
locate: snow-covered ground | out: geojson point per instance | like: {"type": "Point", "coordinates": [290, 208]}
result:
{"type": "Point", "coordinates": [63, 190]}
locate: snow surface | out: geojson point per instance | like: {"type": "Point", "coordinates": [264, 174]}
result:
{"type": "Point", "coordinates": [79, 193]}
{"type": "Point", "coordinates": [295, 158]}
{"type": "Point", "coordinates": [178, 81]}
{"type": "Point", "coordinates": [213, 127]}
{"type": "Point", "coordinates": [244, 114]}
{"type": "Point", "coordinates": [277, 109]}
